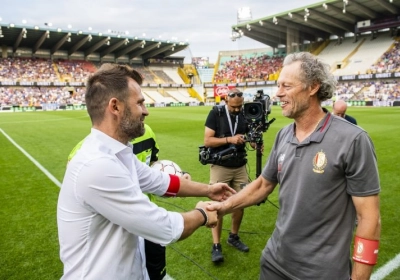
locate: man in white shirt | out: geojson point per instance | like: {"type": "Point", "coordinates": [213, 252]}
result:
{"type": "Point", "coordinates": [102, 214]}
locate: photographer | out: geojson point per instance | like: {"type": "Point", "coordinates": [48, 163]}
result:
{"type": "Point", "coordinates": [224, 134]}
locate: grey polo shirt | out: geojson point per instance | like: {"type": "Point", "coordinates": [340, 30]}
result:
{"type": "Point", "coordinates": [317, 179]}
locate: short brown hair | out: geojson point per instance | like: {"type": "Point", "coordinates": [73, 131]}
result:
{"type": "Point", "coordinates": [110, 80]}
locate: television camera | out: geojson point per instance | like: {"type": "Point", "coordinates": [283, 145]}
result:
{"type": "Point", "coordinates": [210, 156]}
{"type": "Point", "coordinates": [256, 114]}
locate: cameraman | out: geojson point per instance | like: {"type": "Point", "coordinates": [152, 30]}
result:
{"type": "Point", "coordinates": [225, 128]}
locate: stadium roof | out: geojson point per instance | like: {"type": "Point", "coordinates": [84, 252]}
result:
{"type": "Point", "coordinates": [117, 45]}
{"type": "Point", "coordinates": [321, 21]}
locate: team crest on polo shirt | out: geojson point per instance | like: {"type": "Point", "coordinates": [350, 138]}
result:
{"type": "Point", "coordinates": [319, 162]}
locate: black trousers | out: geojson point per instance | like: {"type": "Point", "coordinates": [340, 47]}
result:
{"type": "Point", "coordinates": [155, 260]}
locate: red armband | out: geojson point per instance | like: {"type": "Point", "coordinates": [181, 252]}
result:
{"type": "Point", "coordinates": [174, 185]}
{"type": "Point", "coordinates": [365, 250]}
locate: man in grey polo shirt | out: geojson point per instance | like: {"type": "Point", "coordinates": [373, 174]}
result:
{"type": "Point", "coordinates": [327, 172]}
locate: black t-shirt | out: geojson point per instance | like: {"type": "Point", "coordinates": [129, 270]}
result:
{"type": "Point", "coordinates": [218, 121]}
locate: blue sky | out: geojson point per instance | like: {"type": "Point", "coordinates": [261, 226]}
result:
{"type": "Point", "coordinates": [205, 24]}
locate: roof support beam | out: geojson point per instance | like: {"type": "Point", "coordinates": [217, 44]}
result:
{"type": "Point", "coordinates": [58, 45]}
{"type": "Point", "coordinates": [159, 50]}
{"type": "Point", "coordinates": [40, 41]}
{"type": "Point", "coordinates": [262, 39]}
{"type": "Point", "coordinates": [143, 50]}
{"type": "Point", "coordinates": [268, 31]}
{"type": "Point", "coordinates": [128, 49]}
{"type": "Point", "coordinates": [79, 44]}
{"type": "Point", "coordinates": [388, 7]}
{"type": "Point", "coordinates": [303, 28]}
{"type": "Point", "coordinates": [96, 46]}
{"type": "Point", "coordinates": [263, 34]}
{"type": "Point", "coordinates": [334, 21]}
{"type": "Point", "coordinates": [351, 18]}
{"type": "Point", "coordinates": [319, 25]}
{"type": "Point", "coordinates": [370, 13]}
{"type": "Point", "coordinates": [18, 41]}
{"type": "Point", "coordinates": [177, 49]}
{"type": "Point", "coordinates": [113, 47]}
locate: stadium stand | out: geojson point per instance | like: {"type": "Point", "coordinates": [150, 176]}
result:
{"type": "Point", "coordinates": [181, 96]}
{"type": "Point", "coordinates": [27, 69]}
{"type": "Point", "coordinates": [389, 62]}
{"type": "Point", "coordinates": [173, 74]}
{"type": "Point", "coordinates": [158, 97]}
{"type": "Point", "coordinates": [74, 70]}
{"type": "Point", "coordinates": [368, 51]}
{"type": "Point", "coordinates": [162, 77]}
{"type": "Point", "coordinates": [46, 97]}
{"type": "Point", "coordinates": [247, 66]}
{"type": "Point", "coordinates": [206, 74]}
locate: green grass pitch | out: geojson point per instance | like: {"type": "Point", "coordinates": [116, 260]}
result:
{"type": "Point", "coordinates": [29, 243]}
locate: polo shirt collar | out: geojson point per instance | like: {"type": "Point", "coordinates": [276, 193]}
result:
{"type": "Point", "coordinates": [317, 135]}
{"type": "Point", "coordinates": [322, 128]}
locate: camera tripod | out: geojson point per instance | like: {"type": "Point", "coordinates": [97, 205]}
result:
{"type": "Point", "coordinates": [259, 145]}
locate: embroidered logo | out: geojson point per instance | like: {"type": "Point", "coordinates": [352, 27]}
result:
{"type": "Point", "coordinates": [281, 158]}
{"type": "Point", "coordinates": [319, 162]}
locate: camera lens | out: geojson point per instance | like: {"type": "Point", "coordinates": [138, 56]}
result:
{"type": "Point", "coordinates": [253, 110]}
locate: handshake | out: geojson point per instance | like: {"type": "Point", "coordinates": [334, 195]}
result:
{"type": "Point", "coordinates": [210, 217]}
{"type": "Point", "coordinates": [208, 209]}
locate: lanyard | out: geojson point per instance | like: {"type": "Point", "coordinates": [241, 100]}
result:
{"type": "Point", "coordinates": [230, 122]}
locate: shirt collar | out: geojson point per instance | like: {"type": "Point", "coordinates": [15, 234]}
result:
{"type": "Point", "coordinates": [322, 128]}
{"type": "Point", "coordinates": [317, 135]}
{"type": "Point", "coordinates": [114, 145]}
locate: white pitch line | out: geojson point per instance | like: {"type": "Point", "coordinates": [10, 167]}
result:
{"type": "Point", "coordinates": [35, 162]}
{"type": "Point", "coordinates": [388, 268]}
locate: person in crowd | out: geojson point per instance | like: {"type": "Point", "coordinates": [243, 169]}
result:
{"type": "Point", "coordinates": [103, 216]}
{"type": "Point", "coordinates": [225, 127]}
{"type": "Point", "coordinates": [340, 108]}
{"type": "Point", "coordinates": [327, 175]}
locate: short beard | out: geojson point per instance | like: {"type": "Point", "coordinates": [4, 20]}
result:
{"type": "Point", "coordinates": [129, 127]}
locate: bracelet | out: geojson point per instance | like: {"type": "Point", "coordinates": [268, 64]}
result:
{"type": "Point", "coordinates": [226, 138]}
{"type": "Point", "coordinates": [204, 215]}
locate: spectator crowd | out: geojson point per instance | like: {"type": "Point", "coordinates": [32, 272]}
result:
{"type": "Point", "coordinates": [389, 62]}
{"type": "Point", "coordinates": [241, 68]}
{"type": "Point", "coordinates": [47, 97]}
{"type": "Point", "coordinates": [233, 69]}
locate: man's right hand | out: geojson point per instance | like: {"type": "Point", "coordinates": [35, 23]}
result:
{"type": "Point", "coordinates": [219, 207]}
{"type": "Point", "coordinates": [238, 139]}
{"type": "Point", "coordinates": [212, 217]}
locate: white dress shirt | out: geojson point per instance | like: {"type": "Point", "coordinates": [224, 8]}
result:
{"type": "Point", "coordinates": [103, 215]}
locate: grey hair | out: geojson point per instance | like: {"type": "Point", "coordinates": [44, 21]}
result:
{"type": "Point", "coordinates": [314, 71]}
